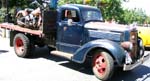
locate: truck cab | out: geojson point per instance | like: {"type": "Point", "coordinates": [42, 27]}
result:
{"type": "Point", "coordinates": [71, 32]}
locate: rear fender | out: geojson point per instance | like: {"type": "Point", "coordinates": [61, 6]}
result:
{"type": "Point", "coordinates": [115, 49]}
{"type": "Point", "coordinates": [12, 35]}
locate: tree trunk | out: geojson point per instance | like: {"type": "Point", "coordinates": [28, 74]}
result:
{"type": "Point", "coordinates": [3, 3]}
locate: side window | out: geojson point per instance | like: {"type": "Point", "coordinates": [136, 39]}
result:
{"type": "Point", "coordinates": [70, 14]}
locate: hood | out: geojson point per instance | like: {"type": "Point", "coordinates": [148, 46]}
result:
{"type": "Point", "coordinates": [107, 26]}
{"type": "Point", "coordinates": [114, 32]}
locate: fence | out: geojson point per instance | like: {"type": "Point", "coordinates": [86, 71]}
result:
{"type": "Point", "coordinates": [4, 33]}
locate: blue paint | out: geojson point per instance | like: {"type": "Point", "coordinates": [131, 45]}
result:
{"type": "Point", "coordinates": [112, 47]}
{"type": "Point", "coordinates": [53, 4]}
{"type": "Point", "coordinates": [78, 40]}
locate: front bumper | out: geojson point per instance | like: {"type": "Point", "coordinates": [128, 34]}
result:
{"type": "Point", "coordinates": [127, 67]}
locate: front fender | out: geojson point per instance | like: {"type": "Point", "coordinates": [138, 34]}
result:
{"type": "Point", "coordinates": [114, 48]}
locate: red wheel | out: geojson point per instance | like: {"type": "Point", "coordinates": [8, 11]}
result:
{"type": "Point", "coordinates": [22, 45]}
{"type": "Point", "coordinates": [19, 46]}
{"type": "Point", "coordinates": [102, 65]}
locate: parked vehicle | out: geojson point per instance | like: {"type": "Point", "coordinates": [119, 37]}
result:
{"type": "Point", "coordinates": [82, 38]}
{"type": "Point", "coordinates": [144, 34]}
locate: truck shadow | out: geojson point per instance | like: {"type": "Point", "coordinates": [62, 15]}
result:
{"type": "Point", "coordinates": [140, 73]}
{"type": "Point", "coordinates": [44, 53]}
{"type": "Point", "coordinates": [3, 51]}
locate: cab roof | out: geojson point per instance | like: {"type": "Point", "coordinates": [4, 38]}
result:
{"type": "Point", "coordinates": [78, 6]}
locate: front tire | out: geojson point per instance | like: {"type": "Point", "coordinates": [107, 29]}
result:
{"type": "Point", "coordinates": [22, 45]}
{"type": "Point", "coordinates": [102, 65]}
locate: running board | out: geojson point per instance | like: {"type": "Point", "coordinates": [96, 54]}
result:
{"type": "Point", "coordinates": [62, 54]}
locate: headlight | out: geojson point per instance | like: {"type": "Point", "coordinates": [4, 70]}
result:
{"type": "Point", "coordinates": [133, 37]}
{"type": "Point", "coordinates": [134, 41]}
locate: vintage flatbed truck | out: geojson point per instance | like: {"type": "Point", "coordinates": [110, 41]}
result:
{"type": "Point", "coordinates": [83, 39]}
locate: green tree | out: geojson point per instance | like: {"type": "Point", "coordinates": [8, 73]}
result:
{"type": "Point", "coordinates": [61, 2]}
{"type": "Point", "coordinates": [112, 9]}
{"type": "Point", "coordinates": [19, 3]}
{"type": "Point", "coordinates": [147, 20]}
{"type": "Point", "coordinates": [3, 3]}
{"type": "Point", "coordinates": [134, 15]}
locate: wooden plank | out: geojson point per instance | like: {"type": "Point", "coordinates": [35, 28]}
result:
{"type": "Point", "coordinates": [10, 26]}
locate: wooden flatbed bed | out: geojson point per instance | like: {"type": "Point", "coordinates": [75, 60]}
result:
{"type": "Point", "coordinates": [11, 26]}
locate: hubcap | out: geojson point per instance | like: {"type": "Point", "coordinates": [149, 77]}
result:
{"type": "Point", "coordinates": [19, 46]}
{"type": "Point", "coordinates": [100, 64]}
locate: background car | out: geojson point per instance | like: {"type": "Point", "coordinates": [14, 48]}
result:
{"type": "Point", "coordinates": [144, 34]}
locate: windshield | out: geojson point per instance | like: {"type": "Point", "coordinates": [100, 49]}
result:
{"type": "Point", "coordinates": [89, 15]}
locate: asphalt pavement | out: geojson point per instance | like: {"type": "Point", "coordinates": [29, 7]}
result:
{"type": "Point", "coordinates": [45, 67]}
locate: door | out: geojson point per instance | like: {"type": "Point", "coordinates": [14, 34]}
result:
{"type": "Point", "coordinates": [70, 32]}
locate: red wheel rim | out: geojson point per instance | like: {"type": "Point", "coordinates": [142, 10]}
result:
{"type": "Point", "coordinates": [19, 46]}
{"type": "Point", "coordinates": [99, 64]}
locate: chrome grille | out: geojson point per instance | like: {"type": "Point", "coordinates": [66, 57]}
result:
{"type": "Point", "coordinates": [133, 39]}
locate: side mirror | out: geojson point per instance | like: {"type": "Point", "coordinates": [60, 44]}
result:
{"type": "Point", "coordinates": [70, 22]}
